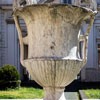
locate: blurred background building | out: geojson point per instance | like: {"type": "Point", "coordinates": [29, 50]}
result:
{"type": "Point", "coordinates": [9, 43]}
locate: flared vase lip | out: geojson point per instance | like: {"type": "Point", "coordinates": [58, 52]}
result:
{"type": "Point", "coordinates": [53, 59]}
{"type": "Point", "coordinates": [53, 5]}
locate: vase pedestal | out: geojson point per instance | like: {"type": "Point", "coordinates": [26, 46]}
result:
{"type": "Point", "coordinates": [54, 93]}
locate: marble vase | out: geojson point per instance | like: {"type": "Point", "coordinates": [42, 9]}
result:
{"type": "Point", "coordinates": [53, 57]}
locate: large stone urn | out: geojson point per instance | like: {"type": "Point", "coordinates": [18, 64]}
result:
{"type": "Point", "coordinates": [53, 59]}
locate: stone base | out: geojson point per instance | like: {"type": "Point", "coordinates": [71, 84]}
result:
{"type": "Point", "coordinates": [61, 98]}
{"type": "Point", "coordinates": [54, 93]}
{"type": "Point", "coordinates": [37, 99]}
{"type": "Point", "coordinates": [67, 96]}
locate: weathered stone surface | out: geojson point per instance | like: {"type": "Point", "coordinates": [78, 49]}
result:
{"type": "Point", "coordinates": [53, 56]}
{"type": "Point", "coordinates": [52, 74]}
{"type": "Point", "coordinates": [52, 29]}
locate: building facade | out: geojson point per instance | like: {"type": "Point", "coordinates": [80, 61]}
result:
{"type": "Point", "coordinates": [9, 43]}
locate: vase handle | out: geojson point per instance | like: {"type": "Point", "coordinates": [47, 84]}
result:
{"type": "Point", "coordinates": [20, 38]}
{"type": "Point", "coordinates": [84, 38]}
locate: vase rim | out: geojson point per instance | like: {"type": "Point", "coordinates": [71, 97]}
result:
{"type": "Point", "coordinates": [54, 5]}
{"type": "Point", "coordinates": [52, 59]}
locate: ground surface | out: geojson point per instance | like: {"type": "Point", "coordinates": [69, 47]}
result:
{"type": "Point", "coordinates": [92, 93]}
{"type": "Point", "coordinates": [21, 93]}
{"type": "Point", "coordinates": [69, 96]}
{"type": "Point", "coordinates": [71, 91]}
{"type": "Point", "coordinates": [77, 85]}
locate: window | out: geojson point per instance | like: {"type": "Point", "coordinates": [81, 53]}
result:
{"type": "Point", "coordinates": [6, 1]}
{"type": "Point", "coordinates": [67, 1]}
{"type": "Point", "coordinates": [99, 55]}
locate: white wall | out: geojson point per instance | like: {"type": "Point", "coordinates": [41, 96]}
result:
{"type": "Point", "coordinates": [9, 44]}
{"type": "Point", "coordinates": [6, 1]}
{"type": "Point", "coordinates": [3, 38]}
{"type": "Point", "coordinates": [90, 54]}
{"type": "Point", "coordinates": [98, 1]}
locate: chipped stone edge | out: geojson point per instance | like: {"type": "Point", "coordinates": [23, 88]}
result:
{"type": "Point", "coordinates": [82, 95]}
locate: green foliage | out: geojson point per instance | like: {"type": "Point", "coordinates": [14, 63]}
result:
{"type": "Point", "coordinates": [92, 93]}
{"type": "Point", "coordinates": [9, 73]}
{"type": "Point", "coordinates": [9, 77]}
{"type": "Point", "coordinates": [22, 93]}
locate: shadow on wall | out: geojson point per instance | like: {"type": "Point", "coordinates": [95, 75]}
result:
{"type": "Point", "coordinates": [30, 83]}
{"type": "Point", "coordinates": [77, 85]}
